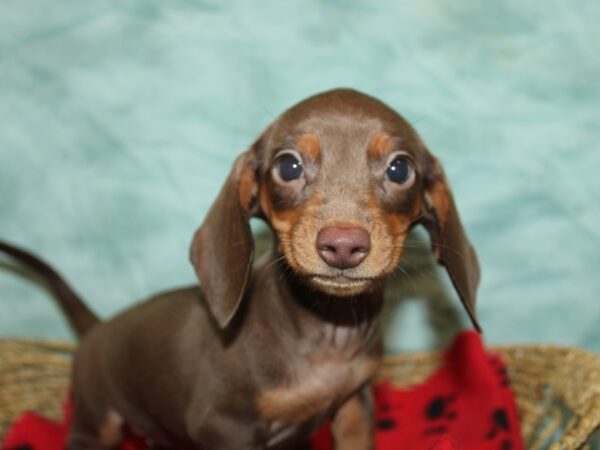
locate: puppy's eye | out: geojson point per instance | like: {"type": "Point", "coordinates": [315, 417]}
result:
{"type": "Point", "coordinates": [399, 170]}
{"type": "Point", "coordinates": [289, 167]}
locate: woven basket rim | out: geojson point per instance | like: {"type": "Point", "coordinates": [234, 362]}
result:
{"type": "Point", "coordinates": [571, 373]}
{"type": "Point", "coordinates": [496, 346]}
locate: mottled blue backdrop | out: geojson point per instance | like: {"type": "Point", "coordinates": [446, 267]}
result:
{"type": "Point", "coordinates": [119, 122]}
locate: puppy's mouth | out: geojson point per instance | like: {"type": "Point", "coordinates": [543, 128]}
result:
{"type": "Point", "coordinates": [341, 285]}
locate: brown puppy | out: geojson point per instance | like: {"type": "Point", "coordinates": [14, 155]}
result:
{"type": "Point", "coordinates": [260, 356]}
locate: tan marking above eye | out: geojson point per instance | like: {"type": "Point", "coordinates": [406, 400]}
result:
{"type": "Point", "coordinates": [309, 145]}
{"type": "Point", "coordinates": [381, 145]}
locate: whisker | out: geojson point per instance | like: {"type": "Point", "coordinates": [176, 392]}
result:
{"type": "Point", "coordinates": [275, 261]}
{"type": "Point", "coordinates": [411, 247]}
{"type": "Point", "coordinates": [409, 277]}
{"type": "Point", "coordinates": [420, 270]}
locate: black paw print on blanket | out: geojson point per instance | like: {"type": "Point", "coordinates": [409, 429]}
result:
{"type": "Point", "coordinates": [385, 423]}
{"type": "Point", "coordinates": [499, 428]}
{"type": "Point", "coordinates": [439, 412]}
{"type": "Point", "coordinates": [501, 371]}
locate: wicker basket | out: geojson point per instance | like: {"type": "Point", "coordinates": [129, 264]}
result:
{"type": "Point", "coordinates": [557, 388]}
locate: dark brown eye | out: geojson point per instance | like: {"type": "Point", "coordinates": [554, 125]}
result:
{"type": "Point", "coordinates": [399, 170]}
{"type": "Point", "coordinates": [289, 167]}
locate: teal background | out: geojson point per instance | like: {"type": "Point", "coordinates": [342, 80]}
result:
{"type": "Point", "coordinates": [119, 122]}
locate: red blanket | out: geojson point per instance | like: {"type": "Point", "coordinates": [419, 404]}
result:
{"type": "Point", "coordinates": [467, 404]}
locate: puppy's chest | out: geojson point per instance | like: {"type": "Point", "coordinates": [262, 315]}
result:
{"type": "Point", "coordinates": [314, 389]}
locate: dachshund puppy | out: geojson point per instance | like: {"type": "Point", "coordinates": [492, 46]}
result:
{"type": "Point", "coordinates": [261, 355]}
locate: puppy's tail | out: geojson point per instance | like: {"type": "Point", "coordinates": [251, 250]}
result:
{"type": "Point", "coordinates": [79, 315]}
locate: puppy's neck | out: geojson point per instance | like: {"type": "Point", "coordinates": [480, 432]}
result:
{"type": "Point", "coordinates": [309, 323]}
{"type": "Point", "coordinates": [299, 301]}
{"type": "Point", "coordinates": [347, 311]}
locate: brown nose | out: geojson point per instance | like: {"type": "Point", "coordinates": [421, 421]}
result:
{"type": "Point", "coordinates": [343, 248]}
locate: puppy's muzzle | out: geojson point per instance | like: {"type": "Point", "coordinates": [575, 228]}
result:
{"type": "Point", "coordinates": [343, 248]}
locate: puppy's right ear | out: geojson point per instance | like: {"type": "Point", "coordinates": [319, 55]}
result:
{"type": "Point", "coordinates": [451, 246]}
{"type": "Point", "coordinates": [222, 248]}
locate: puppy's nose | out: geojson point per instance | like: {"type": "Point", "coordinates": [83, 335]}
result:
{"type": "Point", "coordinates": [343, 248]}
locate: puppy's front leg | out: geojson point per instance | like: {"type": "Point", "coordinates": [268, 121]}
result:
{"type": "Point", "coordinates": [353, 425]}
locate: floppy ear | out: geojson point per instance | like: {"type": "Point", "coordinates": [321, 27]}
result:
{"type": "Point", "coordinates": [448, 239]}
{"type": "Point", "coordinates": [222, 248]}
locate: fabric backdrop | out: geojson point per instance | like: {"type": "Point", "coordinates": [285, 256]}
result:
{"type": "Point", "coordinates": [119, 122]}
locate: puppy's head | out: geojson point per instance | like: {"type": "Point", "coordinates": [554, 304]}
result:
{"type": "Point", "coordinates": [341, 178]}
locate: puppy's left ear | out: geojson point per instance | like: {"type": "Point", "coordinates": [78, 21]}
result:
{"type": "Point", "coordinates": [222, 248]}
{"type": "Point", "coordinates": [448, 239]}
